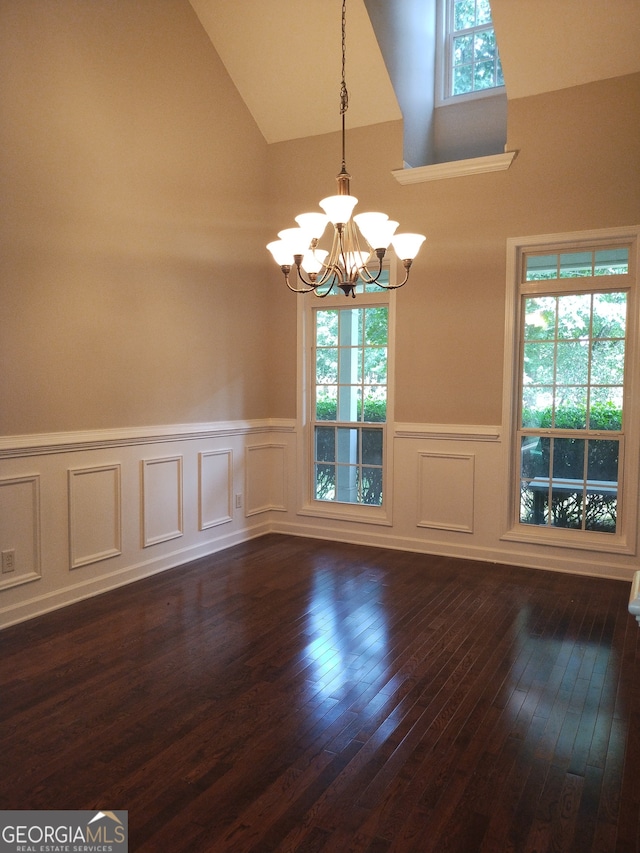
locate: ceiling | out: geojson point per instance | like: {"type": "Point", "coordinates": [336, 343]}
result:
{"type": "Point", "coordinates": [284, 55]}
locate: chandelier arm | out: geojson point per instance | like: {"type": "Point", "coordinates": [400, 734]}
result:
{"type": "Point", "coordinates": [407, 266]}
{"type": "Point", "coordinates": [341, 254]}
{"type": "Point", "coordinates": [313, 282]}
{"type": "Point", "coordinates": [327, 292]}
{"type": "Point", "coordinates": [317, 287]}
{"type": "Point", "coordinates": [369, 277]}
{"type": "Point", "coordinates": [286, 270]}
{"type": "Point", "coordinates": [363, 272]}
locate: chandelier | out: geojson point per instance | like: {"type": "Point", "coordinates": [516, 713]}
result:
{"type": "Point", "coordinates": [359, 243]}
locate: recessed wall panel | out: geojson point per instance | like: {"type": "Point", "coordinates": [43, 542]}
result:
{"type": "Point", "coordinates": [94, 514]}
{"type": "Point", "coordinates": [215, 487]}
{"type": "Point", "coordinates": [161, 500]}
{"type": "Point", "coordinates": [20, 529]}
{"type": "Point", "coordinates": [446, 491]}
{"type": "Point", "coordinates": [265, 478]}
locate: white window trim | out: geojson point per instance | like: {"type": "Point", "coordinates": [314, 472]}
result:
{"type": "Point", "coordinates": [307, 504]}
{"type": "Point", "coordinates": [624, 541]}
{"type": "Point", "coordinates": [443, 64]}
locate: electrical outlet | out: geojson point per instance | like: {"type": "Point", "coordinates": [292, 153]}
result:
{"type": "Point", "coordinates": [8, 562]}
{"type": "Point", "coordinates": [238, 501]}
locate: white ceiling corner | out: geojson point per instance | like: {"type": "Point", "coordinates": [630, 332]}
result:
{"type": "Point", "coordinates": [284, 57]}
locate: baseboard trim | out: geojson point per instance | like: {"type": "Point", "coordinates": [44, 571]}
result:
{"type": "Point", "coordinates": [89, 588]}
{"type": "Point", "coordinates": [80, 591]}
{"type": "Point", "coordinates": [565, 564]}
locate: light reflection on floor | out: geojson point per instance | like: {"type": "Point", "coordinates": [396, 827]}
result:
{"type": "Point", "coordinates": [347, 624]}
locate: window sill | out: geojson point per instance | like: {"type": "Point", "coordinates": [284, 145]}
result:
{"type": "Point", "coordinates": [605, 543]}
{"type": "Point", "coordinates": [493, 93]}
{"type": "Point", "coordinates": [346, 512]}
{"type": "Point", "coordinates": [455, 169]}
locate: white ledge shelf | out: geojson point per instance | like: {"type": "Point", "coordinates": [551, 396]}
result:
{"type": "Point", "coordinates": [455, 169]}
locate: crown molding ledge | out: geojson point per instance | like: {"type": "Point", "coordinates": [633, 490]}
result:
{"type": "Point", "coordinates": [455, 169]}
{"type": "Point", "coordinates": [65, 442]}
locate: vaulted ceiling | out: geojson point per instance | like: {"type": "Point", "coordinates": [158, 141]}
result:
{"type": "Point", "coordinates": [284, 55]}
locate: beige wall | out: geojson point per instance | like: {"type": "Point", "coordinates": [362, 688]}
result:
{"type": "Point", "coordinates": [133, 195]}
{"type": "Point", "coordinates": [134, 283]}
{"type": "Point", "coordinates": [577, 168]}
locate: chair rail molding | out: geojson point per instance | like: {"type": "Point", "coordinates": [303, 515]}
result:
{"type": "Point", "coordinates": [450, 432]}
{"type": "Point", "coordinates": [43, 444]}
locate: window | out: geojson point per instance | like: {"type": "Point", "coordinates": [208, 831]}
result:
{"type": "Point", "coordinates": [349, 404]}
{"type": "Point", "coordinates": [471, 59]}
{"type": "Point", "coordinates": [574, 459]}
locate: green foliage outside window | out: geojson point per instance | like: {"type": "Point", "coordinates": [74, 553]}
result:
{"type": "Point", "coordinates": [350, 393]}
{"type": "Point", "coordinates": [602, 416]}
{"type": "Point", "coordinates": [572, 382]}
{"type": "Point", "coordinates": [375, 411]}
{"type": "Point", "coordinates": [475, 63]}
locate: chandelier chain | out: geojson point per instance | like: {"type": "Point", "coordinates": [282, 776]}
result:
{"type": "Point", "coordinates": [344, 95]}
{"type": "Point", "coordinates": [346, 265]}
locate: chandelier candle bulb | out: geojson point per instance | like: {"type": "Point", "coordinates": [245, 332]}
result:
{"type": "Point", "coordinates": [282, 254]}
{"type": "Point", "coordinates": [296, 239]}
{"type": "Point", "coordinates": [339, 208]}
{"type": "Point", "coordinates": [313, 223]}
{"type": "Point", "coordinates": [356, 242]}
{"type": "Point", "coordinates": [376, 228]}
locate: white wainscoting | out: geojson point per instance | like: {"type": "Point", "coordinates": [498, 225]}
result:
{"type": "Point", "coordinates": [162, 514]}
{"type": "Point", "coordinates": [266, 478]}
{"type": "Point", "coordinates": [20, 528]}
{"type": "Point", "coordinates": [88, 512]}
{"type": "Point", "coordinates": [446, 492]}
{"type": "Point", "coordinates": [95, 514]}
{"type": "Point", "coordinates": [215, 479]}
{"type": "Point", "coordinates": [448, 484]}
{"type": "Point", "coordinates": [85, 513]}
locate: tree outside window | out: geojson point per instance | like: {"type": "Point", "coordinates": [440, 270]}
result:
{"type": "Point", "coordinates": [350, 404]}
{"type": "Point", "coordinates": [473, 60]}
{"type": "Point", "coordinates": [572, 381]}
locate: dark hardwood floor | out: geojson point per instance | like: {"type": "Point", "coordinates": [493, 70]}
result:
{"type": "Point", "coordinates": [298, 695]}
